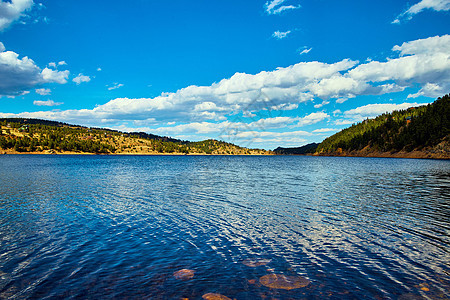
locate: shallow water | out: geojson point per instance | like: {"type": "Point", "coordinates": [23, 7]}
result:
{"type": "Point", "coordinates": [90, 227]}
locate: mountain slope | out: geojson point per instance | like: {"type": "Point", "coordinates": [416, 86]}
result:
{"type": "Point", "coordinates": [42, 136]}
{"type": "Point", "coordinates": [422, 132]}
{"type": "Point", "coordinates": [307, 149]}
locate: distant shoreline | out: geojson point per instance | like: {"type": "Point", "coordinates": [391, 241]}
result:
{"type": "Point", "coordinates": [409, 155]}
{"type": "Point", "coordinates": [124, 154]}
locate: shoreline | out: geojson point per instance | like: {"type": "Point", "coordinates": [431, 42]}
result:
{"type": "Point", "coordinates": [410, 155]}
{"type": "Point", "coordinates": [123, 154]}
{"type": "Point", "coordinates": [407, 155]}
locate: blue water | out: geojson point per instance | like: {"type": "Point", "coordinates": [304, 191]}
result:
{"type": "Point", "coordinates": [119, 227]}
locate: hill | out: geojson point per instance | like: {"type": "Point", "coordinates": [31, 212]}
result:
{"type": "Point", "coordinates": [307, 149]}
{"type": "Point", "coordinates": [420, 132]}
{"type": "Point", "coordinates": [50, 137]}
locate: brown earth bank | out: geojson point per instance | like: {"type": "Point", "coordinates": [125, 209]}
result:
{"type": "Point", "coordinates": [440, 151]}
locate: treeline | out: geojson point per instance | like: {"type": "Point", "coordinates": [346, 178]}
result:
{"type": "Point", "coordinates": [405, 130]}
{"type": "Point", "coordinates": [307, 149]}
{"type": "Point", "coordinates": [37, 137]}
{"type": "Point", "coordinates": [32, 135]}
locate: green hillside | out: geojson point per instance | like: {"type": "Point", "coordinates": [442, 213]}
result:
{"type": "Point", "coordinates": [424, 128]}
{"type": "Point", "coordinates": [50, 137]}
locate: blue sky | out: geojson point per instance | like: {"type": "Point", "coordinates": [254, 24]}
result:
{"type": "Point", "coordinates": [257, 73]}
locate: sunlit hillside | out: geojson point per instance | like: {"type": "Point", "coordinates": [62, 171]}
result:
{"type": "Point", "coordinates": [48, 137]}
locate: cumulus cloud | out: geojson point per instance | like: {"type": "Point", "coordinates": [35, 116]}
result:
{"type": "Point", "coordinates": [437, 5]}
{"type": "Point", "coordinates": [371, 110]}
{"type": "Point", "coordinates": [81, 78]}
{"type": "Point", "coordinates": [43, 92]}
{"type": "Point", "coordinates": [280, 35]}
{"type": "Point", "coordinates": [55, 76]}
{"type": "Point", "coordinates": [12, 11]}
{"type": "Point", "coordinates": [19, 75]}
{"type": "Point", "coordinates": [47, 103]}
{"type": "Point", "coordinates": [423, 62]}
{"type": "Point", "coordinates": [422, 65]}
{"type": "Point", "coordinates": [276, 7]}
{"type": "Point", "coordinates": [436, 44]}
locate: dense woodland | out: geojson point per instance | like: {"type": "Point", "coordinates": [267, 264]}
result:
{"type": "Point", "coordinates": [406, 130]}
{"type": "Point", "coordinates": [307, 149]}
{"type": "Point", "coordinates": [41, 136]}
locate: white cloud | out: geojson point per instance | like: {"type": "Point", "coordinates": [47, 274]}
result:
{"type": "Point", "coordinates": [429, 90]}
{"type": "Point", "coordinates": [341, 122]}
{"type": "Point", "coordinates": [373, 110]}
{"type": "Point", "coordinates": [115, 86]}
{"type": "Point", "coordinates": [312, 118]}
{"type": "Point", "coordinates": [2, 47]}
{"type": "Point", "coordinates": [285, 106]}
{"type": "Point", "coordinates": [266, 94]}
{"type": "Point", "coordinates": [324, 130]}
{"type": "Point", "coordinates": [436, 44]}
{"type": "Point", "coordinates": [423, 62]}
{"type": "Point", "coordinates": [52, 65]}
{"type": "Point", "coordinates": [436, 5]}
{"type": "Point", "coordinates": [47, 103]}
{"type": "Point", "coordinates": [62, 63]}
{"type": "Point", "coordinates": [275, 7]}
{"type": "Point", "coordinates": [305, 50]}
{"type": "Point", "coordinates": [55, 76]}
{"type": "Point", "coordinates": [43, 92]}
{"type": "Point", "coordinates": [99, 69]}
{"type": "Point", "coordinates": [81, 78]}
{"type": "Point", "coordinates": [280, 35]}
{"type": "Point", "coordinates": [321, 104]}
{"type": "Point", "coordinates": [12, 11]}
{"type": "Point", "coordinates": [18, 75]}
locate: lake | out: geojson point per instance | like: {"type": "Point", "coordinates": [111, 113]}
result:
{"type": "Point", "coordinates": [121, 227]}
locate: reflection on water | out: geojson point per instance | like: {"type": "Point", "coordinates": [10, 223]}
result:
{"type": "Point", "coordinates": [173, 227]}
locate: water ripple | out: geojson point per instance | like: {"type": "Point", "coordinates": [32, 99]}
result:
{"type": "Point", "coordinates": [120, 227]}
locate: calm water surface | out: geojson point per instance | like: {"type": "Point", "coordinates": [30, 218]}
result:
{"type": "Point", "coordinates": [119, 227]}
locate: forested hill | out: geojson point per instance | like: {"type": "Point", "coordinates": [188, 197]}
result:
{"type": "Point", "coordinates": [415, 132]}
{"type": "Point", "coordinates": [307, 149]}
{"type": "Point", "coordinates": [50, 137]}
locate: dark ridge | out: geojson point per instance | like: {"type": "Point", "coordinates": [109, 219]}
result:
{"type": "Point", "coordinates": [25, 121]}
{"type": "Point", "coordinates": [306, 149]}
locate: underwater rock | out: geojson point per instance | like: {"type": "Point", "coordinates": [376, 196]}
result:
{"type": "Point", "coordinates": [280, 281]}
{"type": "Point", "coordinates": [184, 274]}
{"type": "Point", "coordinates": [213, 296]}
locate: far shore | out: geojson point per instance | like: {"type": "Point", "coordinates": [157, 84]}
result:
{"type": "Point", "coordinates": [413, 154]}
{"type": "Point", "coordinates": [46, 152]}
{"type": "Point", "coordinates": [400, 154]}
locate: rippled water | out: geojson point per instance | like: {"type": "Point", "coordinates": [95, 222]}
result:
{"type": "Point", "coordinates": [90, 227]}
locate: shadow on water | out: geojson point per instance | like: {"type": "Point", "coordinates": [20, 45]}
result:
{"type": "Point", "coordinates": [173, 227]}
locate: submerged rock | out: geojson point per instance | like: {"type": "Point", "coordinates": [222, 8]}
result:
{"type": "Point", "coordinates": [280, 281]}
{"type": "Point", "coordinates": [184, 274]}
{"type": "Point", "coordinates": [213, 296]}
